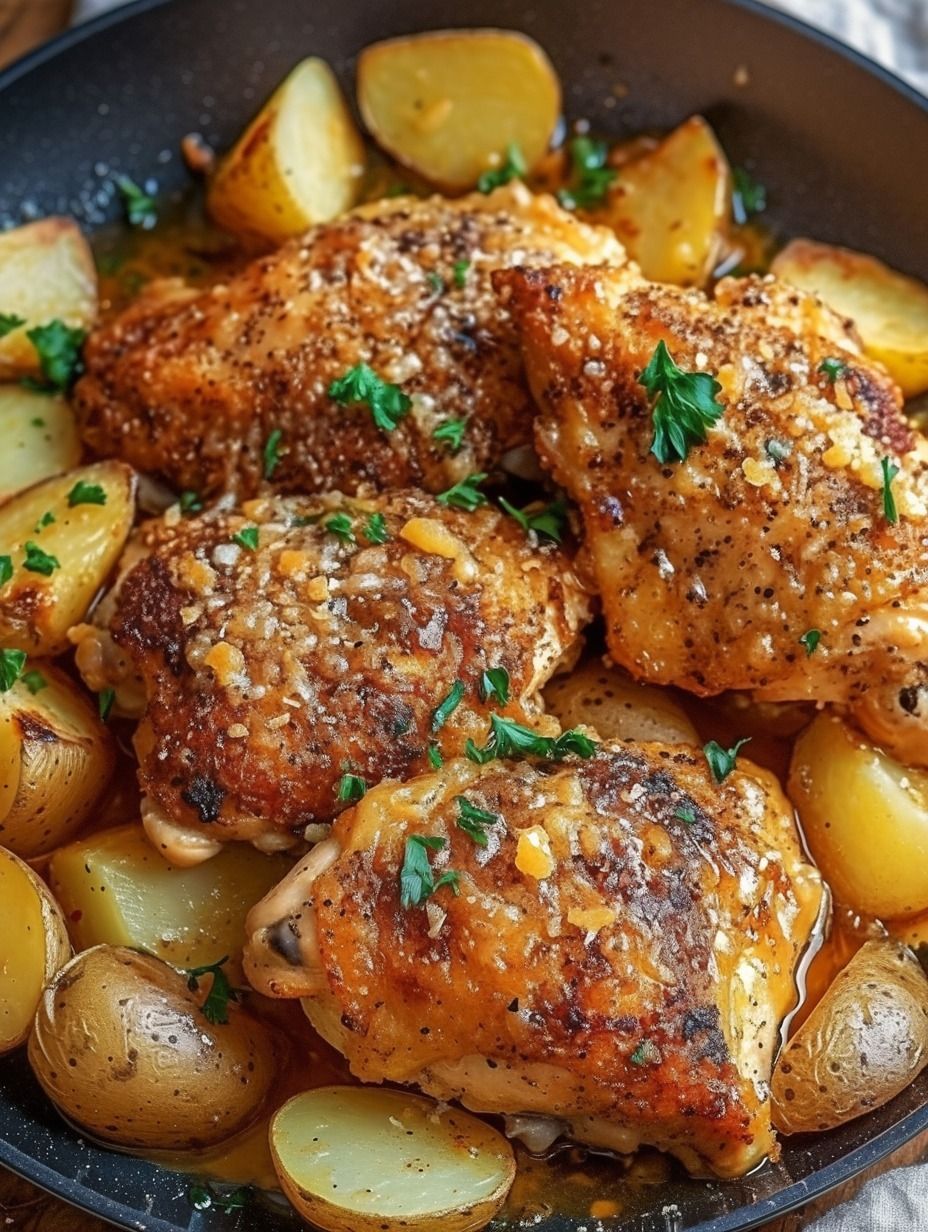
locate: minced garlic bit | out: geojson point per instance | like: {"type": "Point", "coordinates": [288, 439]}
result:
{"type": "Point", "coordinates": [225, 660]}
{"type": "Point", "coordinates": [533, 853]}
{"type": "Point", "coordinates": [433, 537]}
{"type": "Point", "coordinates": [759, 473]}
{"type": "Point", "coordinates": [291, 562]}
{"type": "Point", "coordinates": [236, 731]}
{"type": "Point", "coordinates": [590, 919]}
{"type": "Point", "coordinates": [317, 589]}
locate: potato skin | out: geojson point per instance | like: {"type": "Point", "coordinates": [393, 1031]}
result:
{"type": "Point", "coordinates": [864, 1042]}
{"type": "Point", "coordinates": [122, 1048]}
{"type": "Point", "coordinates": [616, 706]}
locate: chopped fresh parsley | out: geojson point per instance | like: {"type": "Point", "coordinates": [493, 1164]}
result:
{"type": "Point", "coordinates": [205, 1197]}
{"type": "Point", "coordinates": [46, 519]}
{"type": "Point", "coordinates": [748, 196]}
{"type": "Point", "coordinates": [216, 1006]}
{"type": "Point", "coordinates": [549, 521]}
{"type": "Point", "coordinates": [105, 699]}
{"type": "Point", "coordinates": [58, 347]}
{"type": "Point", "coordinates": [351, 787]}
{"type": "Point", "coordinates": [722, 761]}
{"type": "Point", "coordinates": [474, 821]}
{"type": "Point", "coordinates": [451, 433]}
{"type": "Point", "coordinates": [375, 529]}
{"type": "Point", "coordinates": [445, 708]}
{"type": "Point", "coordinates": [247, 538]}
{"type": "Point", "coordinates": [810, 640]}
{"type": "Point", "coordinates": [141, 209]}
{"type": "Point", "coordinates": [37, 561]}
{"type": "Point", "coordinates": [361, 385]}
{"type": "Point", "coordinates": [436, 761]}
{"type": "Point", "coordinates": [271, 453]}
{"type": "Point", "coordinates": [340, 524]}
{"type": "Point", "coordinates": [86, 494]}
{"type": "Point", "coordinates": [686, 815]}
{"type": "Point", "coordinates": [590, 177]}
{"type": "Point", "coordinates": [190, 502]}
{"type": "Point", "coordinates": [417, 882]}
{"type": "Point", "coordinates": [511, 168]}
{"type": "Point", "coordinates": [494, 682]}
{"type": "Point", "coordinates": [37, 422]}
{"type": "Point", "coordinates": [890, 471]}
{"type": "Point", "coordinates": [647, 1053]}
{"type": "Point", "coordinates": [832, 369]}
{"type": "Point", "coordinates": [684, 405]}
{"type": "Point", "coordinates": [34, 681]}
{"type": "Point", "coordinates": [6, 569]}
{"type": "Point", "coordinates": [436, 282]}
{"type": "Point", "coordinates": [459, 273]}
{"type": "Point", "coordinates": [12, 663]}
{"type": "Point", "coordinates": [510, 739]}
{"type": "Point", "coordinates": [777, 451]}
{"type": "Point", "coordinates": [466, 494]}
{"type": "Point", "coordinates": [8, 322]}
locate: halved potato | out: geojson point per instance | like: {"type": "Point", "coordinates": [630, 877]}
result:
{"type": "Point", "coordinates": [365, 1159]}
{"type": "Point", "coordinates": [854, 801]}
{"type": "Point", "coordinates": [84, 540]}
{"type": "Point", "coordinates": [66, 758]}
{"type": "Point", "coordinates": [450, 103]}
{"type": "Point", "coordinates": [299, 162]}
{"type": "Point", "coordinates": [47, 271]}
{"type": "Point", "coordinates": [115, 888]}
{"type": "Point", "coordinates": [35, 945]}
{"type": "Point", "coordinates": [617, 707]}
{"type": "Point", "coordinates": [889, 309]}
{"type": "Point", "coordinates": [864, 1042]}
{"type": "Point", "coordinates": [670, 207]}
{"type": "Point", "coordinates": [40, 438]}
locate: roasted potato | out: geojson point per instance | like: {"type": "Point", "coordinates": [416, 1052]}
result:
{"type": "Point", "coordinates": [122, 1048]}
{"type": "Point", "coordinates": [889, 309]}
{"type": "Point", "coordinates": [66, 758]}
{"type": "Point", "coordinates": [854, 801]}
{"type": "Point", "coordinates": [864, 1042]}
{"type": "Point", "coordinates": [617, 707]}
{"type": "Point", "coordinates": [62, 545]}
{"type": "Point", "coordinates": [115, 888]}
{"type": "Point", "coordinates": [35, 945]}
{"type": "Point", "coordinates": [40, 438]}
{"type": "Point", "coordinates": [670, 207]}
{"type": "Point", "coordinates": [47, 272]}
{"type": "Point", "coordinates": [449, 104]}
{"type": "Point", "coordinates": [364, 1159]}
{"type": "Point", "coordinates": [299, 162]}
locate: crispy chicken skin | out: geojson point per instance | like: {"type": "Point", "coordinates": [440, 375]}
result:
{"type": "Point", "coordinates": [270, 673]}
{"type": "Point", "coordinates": [619, 957]}
{"type": "Point", "coordinates": [191, 385]}
{"type": "Point", "coordinates": [712, 570]}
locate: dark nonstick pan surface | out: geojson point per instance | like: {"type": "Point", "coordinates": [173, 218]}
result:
{"type": "Point", "coordinates": [842, 148]}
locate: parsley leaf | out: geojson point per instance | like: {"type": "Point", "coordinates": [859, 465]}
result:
{"type": "Point", "coordinates": [59, 350]}
{"type": "Point", "coordinates": [47, 519]}
{"type": "Point", "coordinates": [105, 699]}
{"type": "Point", "coordinates": [459, 273]}
{"type": "Point", "coordinates": [375, 529]}
{"type": "Point", "coordinates": [34, 681]}
{"type": "Point", "coordinates": [216, 1006]}
{"type": "Point", "coordinates": [141, 209]}
{"type": "Point", "coordinates": [444, 709]}
{"type": "Point", "coordinates": [86, 494]}
{"type": "Point", "coordinates": [722, 761]}
{"type": "Point", "coordinates": [190, 502]}
{"type": "Point", "coordinates": [890, 471]}
{"type": "Point", "coordinates": [340, 524]}
{"type": "Point", "coordinates": [12, 663]}
{"type": "Point", "coordinates": [510, 739]}
{"type": "Point", "coordinates": [647, 1053]}
{"type": "Point", "coordinates": [435, 281]}
{"type": "Point", "coordinates": [474, 821]}
{"type": "Point", "coordinates": [271, 453]}
{"type": "Point", "coordinates": [684, 406]}
{"type": "Point", "coordinates": [8, 322]}
{"type": "Point", "coordinates": [436, 761]}
{"type": "Point", "coordinates": [549, 521]}
{"type": "Point", "coordinates": [37, 561]}
{"type": "Point", "coordinates": [205, 1197]}
{"type": "Point", "coordinates": [387, 403]}
{"type": "Point", "coordinates": [6, 569]}
{"type": "Point", "coordinates": [451, 433]}
{"type": "Point", "coordinates": [685, 814]}
{"type": "Point", "coordinates": [511, 168]}
{"type": "Point", "coordinates": [247, 538]}
{"type": "Point", "coordinates": [777, 451]}
{"type": "Point", "coordinates": [494, 682]}
{"type": "Point", "coordinates": [351, 787]}
{"type": "Point", "coordinates": [748, 196]}
{"type": "Point", "coordinates": [466, 494]}
{"type": "Point", "coordinates": [832, 369]}
{"type": "Point", "coordinates": [810, 640]}
{"type": "Point", "coordinates": [417, 882]}
{"type": "Point", "coordinates": [590, 178]}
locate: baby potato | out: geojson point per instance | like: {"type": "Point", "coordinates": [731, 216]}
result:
{"type": "Point", "coordinates": [35, 945]}
{"type": "Point", "coordinates": [66, 759]}
{"type": "Point", "coordinates": [114, 887]}
{"type": "Point", "coordinates": [40, 438]}
{"type": "Point", "coordinates": [365, 1159]}
{"type": "Point", "coordinates": [670, 206]}
{"type": "Point", "coordinates": [122, 1048]}
{"type": "Point", "coordinates": [63, 537]}
{"type": "Point", "coordinates": [854, 801]}
{"type": "Point", "coordinates": [864, 1042]}
{"type": "Point", "coordinates": [47, 272]}
{"type": "Point", "coordinates": [889, 309]}
{"type": "Point", "coordinates": [449, 104]}
{"type": "Point", "coordinates": [298, 163]}
{"type": "Point", "coordinates": [617, 707]}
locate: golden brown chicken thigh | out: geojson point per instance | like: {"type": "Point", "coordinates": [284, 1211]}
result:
{"type": "Point", "coordinates": [285, 644]}
{"type": "Point", "coordinates": [193, 384]}
{"type": "Point", "coordinates": [617, 952]}
{"type": "Point", "coordinates": [712, 570]}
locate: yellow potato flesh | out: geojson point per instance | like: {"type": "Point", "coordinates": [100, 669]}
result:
{"type": "Point", "coordinates": [865, 818]}
{"type": "Point", "coordinates": [36, 611]}
{"type": "Point", "coordinates": [615, 706]}
{"type": "Point", "coordinates": [40, 438]}
{"type": "Point", "coordinates": [670, 207]}
{"type": "Point", "coordinates": [298, 163]}
{"type": "Point", "coordinates": [449, 104]}
{"type": "Point", "coordinates": [889, 309]}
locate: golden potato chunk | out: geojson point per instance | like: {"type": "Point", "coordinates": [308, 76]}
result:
{"type": "Point", "coordinates": [40, 438]}
{"type": "Point", "coordinates": [617, 707]}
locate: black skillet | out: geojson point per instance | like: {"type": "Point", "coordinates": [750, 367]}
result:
{"type": "Point", "coordinates": [842, 149]}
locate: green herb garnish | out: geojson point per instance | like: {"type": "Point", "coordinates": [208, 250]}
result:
{"type": "Point", "coordinates": [375, 529]}
{"type": "Point", "coordinates": [647, 1053]}
{"type": "Point", "coordinates": [34, 681]}
{"type": "Point", "coordinates": [351, 787]}
{"type": "Point", "coordinates": [247, 538]}
{"type": "Point", "coordinates": [105, 699]}
{"type": "Point", "coordinates": [436, 761]}
{"type": "Point", "coordinates": [890, 471]}
{"type": "Point", "coordinates": [686, 815]}
{"type": "Point", "coordinates": [494, 682]}
{"type": "Point", "coordinates": [361, 385]}
{"type": "Point", "coordinates": [190, 502]}
{"type": "Point", "coordinates": [141, 209]}
{"type": "Point", "coordinates": [832, 369]}
{"type": "Point", "coordinates": [510, 739]}
{"type": "Point", "coordinates": [435, 281]}
{"type": "Point", "coordinates": [778, 451]}
{"type": "Point", "coordinates": [444, 709]}
{"type": "Point", "coordinates": [810, 640]}
{"type": "Point", "coordinates": [683, 407]}
{"type": "Point", "coordinates": [47, 519]}
{"type": "Point", "coordinates": [512, 168]}
{"type": "Point", "coordinates": [748, 196]}
{"type": "Point", "coordinates": [340, 524]}
{"type": "Point", "coordinates": [10, 321]}
{"type": "Point", "coordinates": [590, 177]}
{"type": "Point", "coordinates": [474, 821]}
{"type": "Point", "coordinates": [548, 521]}
{"type": "Point", "coordinates": [459, 273]}
{"type": "Point", "coordinates": [466, 494]}
{"type": "Point", "coordinates": [12, 663]}
{"type": "Point", "coordinates": [216, 1006]}
{"type": "Point", "coordinates": [271, 453]}
{"type": "Point", "coordinates": [451, 433]}
{"type": "Point", "coordinates": [417, 882]}
{"type": "Point", "coordinates": [722, 761]}
{"type": "Point", "coordinates": [86, 494]}
{"type": "Point", "coordinates": [58, 347]}
{"type": "Point", "coordinates": [6, 569]}
{"type": "Point", "coordinates": [37, 561]}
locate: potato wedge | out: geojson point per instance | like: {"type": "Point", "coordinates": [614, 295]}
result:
{"type": "Point", "coordinates": [889, 309]}
{"type": "Point", "coordinates": [47, 271]}
{"type": "Point", "coordinates": [617, 707]}
{"type": "Point", "coordinates": [84, 540]}
{"type": "Point", "coordinates": [121, 1046]}
{"type": "Point", "coordinates": [365, 1159]}
{"type": "Point", "coordinates": [864, 1042]}
{"type": "Point", "coordinates": [66, 758]}
{"type": "Point", "coordinates": [40, 438]}
{"type": "Point", "coordinates": [35, 945]}
{"type": "Point", "coordinates": [449, 104]}
{"type": "Point", "coordinates": [115, 888]}
{"type": "Point", "coordinates": [298, 163]}
{"type": "Point", "coordinates": [853, 800]}
{"type": "Point", "coordinates": [670, 207]}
